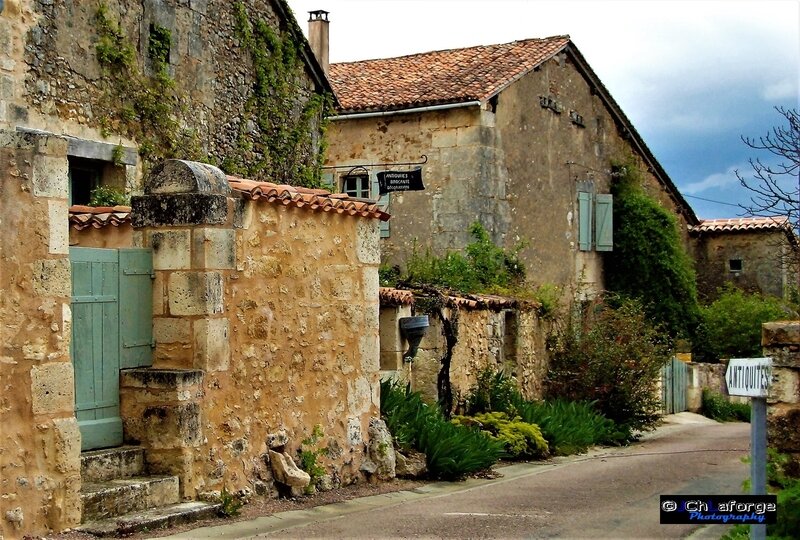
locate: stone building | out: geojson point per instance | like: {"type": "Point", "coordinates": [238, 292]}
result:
{"type": "Point", "coordinates": [215, 321]}
{"type": "Point", "coordinates": [518, 136]}
{"type": "Point", "coordinates": [754, 254]}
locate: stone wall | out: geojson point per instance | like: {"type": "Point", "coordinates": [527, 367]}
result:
{"type": "Point", "coordinates": [781, 342]}
{"type": "Point", "coordinates": [265, 322]}
{"type": "Point", "coordinates": [50, 78]}
{"type": "Point", "coordinates": [766, 262]}
{"type": "Point", "coordinates": [507, 169]}
{"type": "Point", "coordinates": [704, 375]}
{"type": "Point", "coordinates": [511, 339]}
{"type": "Point", "coordinates": [39, 438]}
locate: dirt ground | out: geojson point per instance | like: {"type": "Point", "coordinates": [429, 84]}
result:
{"type": "Point", "coordinates": [262, 506]}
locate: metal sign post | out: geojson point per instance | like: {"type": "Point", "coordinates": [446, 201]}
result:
{"type": "Point", "coordinates": [751, 377]}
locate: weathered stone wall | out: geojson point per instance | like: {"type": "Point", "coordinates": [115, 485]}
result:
{"type": "Point", "coordinates": [507, 169]}
{"type": "Point", "coordinates": [765, 260]}
{"type": "Point", "coordinates": [265, 321]}
{"type": "Point", "coordinates": [50, 78]}
{"type": "Point", "coordinates": [781, 342]}
{"type": "Point", "coordinates": [511, 340]}
{"type": "Point", "coordinates": [703, 375]}
{"type": "Point", "coordinates": [39, 437]}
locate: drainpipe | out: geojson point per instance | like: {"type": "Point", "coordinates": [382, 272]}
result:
{"type": "Point", "coordinates": [375, 114]}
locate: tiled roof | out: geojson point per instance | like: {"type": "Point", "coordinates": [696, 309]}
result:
{"type": "Point", "coordinates": [402, 297]}
{"type": "Point", "coordinates": [83, 217]}
{"type": "Point", "coordinates": [319, 200]}
{"type": "Point", "coordinates": [741, 224]}
{"type": "Point", "coordinates": [438, 77]}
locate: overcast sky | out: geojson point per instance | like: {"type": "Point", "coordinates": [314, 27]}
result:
{"type": "Point", "coordinates": [692, 75]}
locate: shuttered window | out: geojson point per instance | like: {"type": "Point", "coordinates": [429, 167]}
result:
{"type": "Point", "coordinates": [383, 203]}
{"type": "Point", "coordinates": [595, 221]}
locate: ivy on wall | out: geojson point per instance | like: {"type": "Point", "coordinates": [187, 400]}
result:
{"type": "Point", "coordinates": [649, 262]}
{"type": "Point", "coordinates": [146, 108]}
{"type": "Point", "coordinates": [283, 146]}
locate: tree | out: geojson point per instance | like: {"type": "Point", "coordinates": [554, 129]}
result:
{"type": "Point", "coordinates": [775, 184]}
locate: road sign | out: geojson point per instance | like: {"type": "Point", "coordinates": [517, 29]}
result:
{"type": "Point", "coordinates": [749, 376]}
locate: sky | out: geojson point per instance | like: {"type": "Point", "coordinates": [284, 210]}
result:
{"type": "Point", "coordinates": [693, 76]}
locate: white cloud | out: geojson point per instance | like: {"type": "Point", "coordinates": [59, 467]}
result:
{"type": "Point", "coordinates": [716, 181]}
{"type": "Point", "coordinates": [785, 89]}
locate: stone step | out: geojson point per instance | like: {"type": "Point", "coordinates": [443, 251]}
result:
{"type": "Point", "coordinates": [120, 496]}
{"type": "Point", "coordinates": [155, 518]}
{"type": "Point", "coordinates": [121, 462]}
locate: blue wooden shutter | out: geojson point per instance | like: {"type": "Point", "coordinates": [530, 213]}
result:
{"type": "Point", "coordinates": [135, 307]}
{"type": "Point", "coordinates": [383, 202]}
{"type": "Point", "coordinates": [584, 221]}
{"type": "Point", "coordinates": [604, 222]}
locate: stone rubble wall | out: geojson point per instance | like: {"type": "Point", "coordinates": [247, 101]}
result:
{"type": "Point", "coordinates": [781, 342]}
{"type": "Point", "coordinates": [39, 437]}
{"type": "Point", "coordinates": [512, 340]}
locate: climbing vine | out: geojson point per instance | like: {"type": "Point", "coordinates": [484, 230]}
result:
{"type": "Point", "coordinates": [147, 108]}
{"type": "Point", "coordinates": [282, 145]}
{"type": "Point", "coordinates": [649, 262]}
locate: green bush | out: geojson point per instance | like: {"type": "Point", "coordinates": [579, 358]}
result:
{"type": "Point", "coordinates": [484, 267]}
{"type": "Point", "coordinates": [308, 454]}
{"type": "Point", "coordinates": [646, 239]}
{"type": "Point", "coordinates": [731, 325]}
{"type": "Point", "coordinates": [108, 196]}
{"type": "Point", "coordinates": [614, 362]}
{"type": "Point", "coordinates": [715, 406]}
{"type": "Point", "coordinates": [520, 439]}
{"type": "Point", "coordinates": [451, 451]}
{"type": "Point", "coordinates": [569, 427]}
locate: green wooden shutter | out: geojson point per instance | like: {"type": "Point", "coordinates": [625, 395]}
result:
{"type": "Point", "coordinates": [584, 221]}
{"type": "Point", "coordinates": [136, 307]}
{"type": "Point", "coordinates": [328, 182]}
{"type": "Point", "coordinates": [383, 203]}
{"type": "Point", "coordinates": [604, 222]}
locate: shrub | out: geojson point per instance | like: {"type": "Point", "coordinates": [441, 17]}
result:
{"type": "Point", "coordinates": [308, 454]}
{"type": "Point", "coordinates": [108, 196]}
{"type": "Point", "coordinates": [484, 267]}
{"type": "Point", "coordinates": [520, 439]}
{"type": "Point", "coordinates": [715, 406]}
{"type": "Point", "coordinates": [568, 426]}
{"type": "Point", "coordinates": [615, 363]}
{"type": "Point", "coordinates": [732, 323]}
{"type": "Point", "coordinates": [451, 451]}
{"type": "Point", "coordinates": [646, 239]}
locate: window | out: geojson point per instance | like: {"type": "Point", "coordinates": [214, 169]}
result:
{"type": "Point", "coordinates": [735, 265]}
{"type": "Point", "coordinates": [86, 174]}
{"type": "Point", "coordinates": [356, 185]}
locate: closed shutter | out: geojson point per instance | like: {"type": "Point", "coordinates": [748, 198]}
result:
{"type": "Point", "coordinates": [383, 203]}
{"type": "Point", "coordinates": [604, 223]}
{"type": "Point", "coordinates": [136, 307]}
{"type": "Point", "coordinates": [584, 221]}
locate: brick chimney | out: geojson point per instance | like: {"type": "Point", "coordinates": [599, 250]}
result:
{"type": "Point", "coordinates": [318, 37]}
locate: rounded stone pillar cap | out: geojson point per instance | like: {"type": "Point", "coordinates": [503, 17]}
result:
{"type": "Point", "coordinates": [181, 176]}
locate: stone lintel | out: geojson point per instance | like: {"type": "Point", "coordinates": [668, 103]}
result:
{"type": "Point", "coordinates": [160, 378]}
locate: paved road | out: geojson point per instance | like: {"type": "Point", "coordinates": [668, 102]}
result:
{"type": "Point", "coordinates": [608, 493]}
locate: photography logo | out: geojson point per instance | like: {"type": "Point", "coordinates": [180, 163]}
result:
{"type": "Point", "coordinates": [726, 509]}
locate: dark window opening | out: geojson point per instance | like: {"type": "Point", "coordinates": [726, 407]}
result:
{"type": "Point", "coordinates": [356, 185]}
{"type": "Point", "coordinates": [84, 176]}
{"type": "Point", "coordinates": [735, 265]}
{"type": "Point", "coordinates": [158, 45]}
{"type": "Point", "coordinates": [493, 104]}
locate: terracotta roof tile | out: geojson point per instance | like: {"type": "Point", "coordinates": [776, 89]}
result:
{"type": "Point", "coordinates": [438, 77]}
{"type": "Point", "coordinates": [741, 224]}
{"type": "Point", "coordinates": [402, 297]}
{"type": "Point", "coordinates": [81, 217]}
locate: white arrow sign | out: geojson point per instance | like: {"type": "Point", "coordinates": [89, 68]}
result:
{"type": "Point", "coordinates": [749, 376]}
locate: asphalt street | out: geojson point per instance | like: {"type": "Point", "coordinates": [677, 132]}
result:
{"type": "Point", "coordinates": [607, 493]}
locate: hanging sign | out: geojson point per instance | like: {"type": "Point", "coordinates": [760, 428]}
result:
{"type": "Point", "coordinates": [389, 181]}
